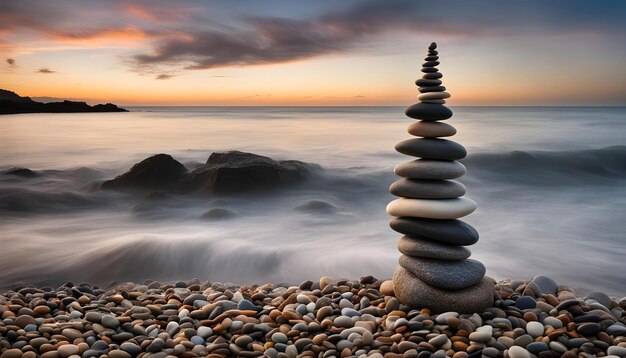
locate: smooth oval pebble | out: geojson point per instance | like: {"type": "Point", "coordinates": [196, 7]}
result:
{"type": "Point", "coordinates": [450, 275]}
{"type": "Point", "coordinates": [432, 75]}
{"type": "Point", "coordinates": [432, 148]}
{"type": "Point", "coordinates": [433, 95]}
{"type": "Point", "coordinates": [432, 89]}
{"type": "Point", "coordinates": [432, 209]}
{"type": "Point", "coordinates": [431, 249]}
{"type": "Point", "coordinates": [535, 329]}
{"type": "Point", "coordinates": [431, 129]}
{"type": "Point", "coordinates": [518, 352]}
{"type": "Point", "coordinates": [427, 189]}
{"type": "Point", "coordinates": [428, 112]}
{"type": "Point", "coordinates": [454, 232]}
{"type": "Point", "coordinates": [430, 169]}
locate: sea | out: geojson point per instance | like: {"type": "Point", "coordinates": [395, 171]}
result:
{"type": "Point", "coordinates": [550, 183]}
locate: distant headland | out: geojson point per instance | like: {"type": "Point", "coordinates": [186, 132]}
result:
{"type": "Point", "coordinates": [12, 103]}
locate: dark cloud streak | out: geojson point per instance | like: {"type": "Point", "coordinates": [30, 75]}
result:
{"type": "Point", "coordinates": [45, 70]}
{"type": "Point", "coordinates": [267, 40]}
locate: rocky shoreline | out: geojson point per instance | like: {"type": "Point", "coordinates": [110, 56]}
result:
{"type": "Point", "coordinates": [325, 318]}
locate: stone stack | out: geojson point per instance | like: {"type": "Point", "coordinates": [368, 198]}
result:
{"type": "Point", "coordinates": [435, 271]}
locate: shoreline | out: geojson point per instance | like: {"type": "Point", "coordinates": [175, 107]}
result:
{"type": "Point", "coordinates": [315, 318]}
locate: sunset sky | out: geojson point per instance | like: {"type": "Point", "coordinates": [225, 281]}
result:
{"type": "Point", "coordinates": [164, 52]}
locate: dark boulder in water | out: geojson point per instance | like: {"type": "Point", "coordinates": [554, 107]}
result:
{"type": "Point", "coordinates": [237, 172]}
{"type": "Point", "coordinates": [21, 172]}
{"type": "Point", "coordinates": [223, 173]}
{"type": "Point", "coordinates": [158, 172]}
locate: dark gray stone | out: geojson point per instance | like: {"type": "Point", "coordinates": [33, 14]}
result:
{"type": "Point", "coordinates": [429, 69]}
{"type": "Point", "coordinates": [432, 46]}
{"type": "Point", "coordinates": [431, 249]}
{"type": "Point", "coordinates": [430, 169]}
{"type": "Point", "coordinates": [453, 232]}
{"type": "Point", "coordinates": [546, 285]}
{"type": "Point", "coordinates": [432, 75]}
{"type": "Point", "coordinates": [537, 347]}
{"type": "Point", "coordinates": [432, 148]}
{"type": "Point", "coordinates": [589, 329]}
{"type": "Point", "coordinates": [601, 297]}
{"type": "Point", "coordinates": [413, 292]}
{"type": "Point", "coordinates": [427, 189]}
{"type": "Point", "coordinates": [422, 82]}
{"type": "Point", "coordinates": [448, 275]}
{"type": "Point", "coordinates": [432, 89]}
{"type": "Point", "coordinates": [430, 64]}
{"type": "Point", "coordinates": [525, 302]}
{"type": "Point", "coordinates": [428, 112]}
{"type": "Point", "coordinates": [431, 58]}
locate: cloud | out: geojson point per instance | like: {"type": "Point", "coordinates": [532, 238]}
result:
{"type": "Point", "coordinates": [163, 76]}
{"type": "Point", "coordinates": [270, 40]}
{"type": "Point", "coordinates": [45, 70]}
{"type": "Point", "coordinates": [11, 61]}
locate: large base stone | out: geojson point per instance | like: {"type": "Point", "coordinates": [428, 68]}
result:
{"type": "Point", "coordinates": [413, 292]}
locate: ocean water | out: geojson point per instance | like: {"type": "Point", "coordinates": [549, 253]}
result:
{"type": "Point", "coordinates": [550, 183]}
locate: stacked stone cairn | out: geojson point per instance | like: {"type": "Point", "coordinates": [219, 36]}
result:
{"type": "Point", "coordinates": [434, 270]}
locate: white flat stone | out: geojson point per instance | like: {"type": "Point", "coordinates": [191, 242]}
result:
{"type": "Point", "coordinates": [433, 95]}
{"type": "Point", "coordinates": [432, 209]}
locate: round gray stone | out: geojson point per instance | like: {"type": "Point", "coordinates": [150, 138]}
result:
{"type": "Point", "coordinates": [427, 189]}
{"type": "Point", "coordinates": [430, 64]}
{"type": "Point", "coordinates": [432, 75]}
{"type": "Point", "coordinates": [428, 112]}
{"type": "Point", "coordinates": [433, 53]}
{"type": "Point", "coordinates": [430, 169]}
{"type": "Point", "coordinates": [448, 275]}
{"type": "Point", "coordinates": [431, 129]}
{"type": "Point", "coordinates": [415, 293]}
{"type": "Point", "coordinates": [432, 89]}
{"type": "Point", "coordinates": [431, 249]}
{"type": "Point", "coordinates": [453, 232]}
{"type": "Point", "coordinates": [432, 46]}
{"type": "Point", "coordinates": [545, 284]}
{"type": "Point", "coordinates": [432, 148]}
{"type": "Point", "coordinates": [422, 82]}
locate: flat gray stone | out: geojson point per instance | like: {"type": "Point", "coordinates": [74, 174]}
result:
{"type": "Point", "coordinates": [432, 148]}
{"type": "Point", "coordinates": [432, 89]}
{"type": "Point", "coordinates": [430, 64]}
{"type": "Point", "coordinates": [413, 292]}
{"type": "Point", "coordinates": [428, 112]}
{"type": "Point", "coordinates": [422, 82]}
{"type": "Point", "coordinates": [429, 69]}
{"type": "Point", "coordinates": [431, 249]}
{"type": "Point", "coordinates": [431, 58]}
{"type": "Point", "coordinates": [454, 232]}
{"type": "Point", "coordinates": [427, 189]}
{"type": "Point", "coordinates": [433, 101]}
{"type": "Point", "coordinates": [432, 75]}
{"type": "Point", "coordinates": [601, 297]}
{"type": "Point", "coordinates": [430, 169]}
{"type": "Point", "coordinates": [433, 53]}
{"type": "Point", "coordinates": [431, 129]}
{"type": "Point", "coordinates": [546, 285]}
{"type": "Point", "coordinates": [448, 275]}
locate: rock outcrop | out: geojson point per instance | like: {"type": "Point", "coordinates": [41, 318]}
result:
{"type": "Point", "coordinates": [231, 172]}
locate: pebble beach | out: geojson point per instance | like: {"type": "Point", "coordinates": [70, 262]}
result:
{"type": "Point", "coordinates": [322, 318]}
